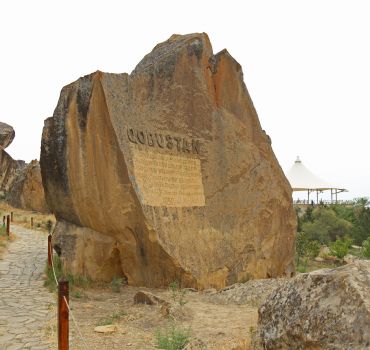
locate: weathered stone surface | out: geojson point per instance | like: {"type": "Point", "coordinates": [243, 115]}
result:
{"type": "Point", "coordinates": [9, 170]}
{"type": "Point", "coordinates": [166, 173]}
{"type": "Point", "coordinates": [325, 309]}
{"type": "Point", "coordinates": [20, 183]}
{"type": "Point", "coordinates": [7, 135]}
{"type": "Point", "coordinates": [26, 191]}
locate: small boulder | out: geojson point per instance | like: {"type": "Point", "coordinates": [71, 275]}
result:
{"type": "Point", "coordinates": [147, 298]}
{"type": "Point", "coordinates": [324, 309]}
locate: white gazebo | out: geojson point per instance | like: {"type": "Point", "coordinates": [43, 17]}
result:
{"type": "Point", "coordinates": [302, 179]}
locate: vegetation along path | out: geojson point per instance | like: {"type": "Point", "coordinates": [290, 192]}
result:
{"type": "Point", "coordinates": [25, 305]}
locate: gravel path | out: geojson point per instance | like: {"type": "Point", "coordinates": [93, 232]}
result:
{"type": "Point", "coordinates": [25, 305]}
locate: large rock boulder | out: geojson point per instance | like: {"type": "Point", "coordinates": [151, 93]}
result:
{"type": "Point", "coordinates": [165, 174]}
{"type": "Point", "coordinates": [9, 170]}
{"type": "Point", "coordinates": [325, 309]}
{"type": "Point", "coordinates": [7, 135]}
{"type": "Point", "coordinates": [27, 191]}
{"type": "Point", "coordinates": [20, 183]}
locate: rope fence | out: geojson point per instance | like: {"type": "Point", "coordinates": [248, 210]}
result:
{"type": "Point", "coordinates": [64, 299]}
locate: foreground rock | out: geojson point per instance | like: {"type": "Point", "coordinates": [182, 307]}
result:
{"type": "Point", "coordinates": [27, 191]}
{"type": "Point", "coordinates": [166, 174]}
{"type": "Point", "coordinates": [325, 309]}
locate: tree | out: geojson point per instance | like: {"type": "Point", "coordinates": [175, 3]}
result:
{"type": "Point", "coordinates": [306, 248]}
{"type": "Point", "coordinates": [366, 248]}
{"type": "Point", "coordinates": [361, 210]}
{"type": "Point", "coordinates": [340, 247]}
{"type": "Point", "coordinates": [326, 225]}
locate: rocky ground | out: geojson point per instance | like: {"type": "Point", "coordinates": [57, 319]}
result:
{"type": "Point", "coordinates": [223, 319]}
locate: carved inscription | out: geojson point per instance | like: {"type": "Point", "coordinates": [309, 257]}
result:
{"type": "Point", "coordinates": [168, 180]}
{"type": "Point", "coordinates": [181, 144]}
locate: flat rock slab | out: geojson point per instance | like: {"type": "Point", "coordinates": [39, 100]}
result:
{"type": "Point", "coordinates": [24, 301]}
{"type": "Point", "coordinates": [106, 329]}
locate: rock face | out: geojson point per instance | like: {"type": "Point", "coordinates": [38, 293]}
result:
{"type": "Point", "coordinates": [27, 191]}
{"type": "Point", "coordinates": [165, 174]}
{"type": "Point", "coordinates": [20, 183]}
{"type": "Point", "coordinates": [7, 135]}
{"type": "Point", "coordinates": [9, 170]}
{"type": "Point", "coordinates": [325, 309]}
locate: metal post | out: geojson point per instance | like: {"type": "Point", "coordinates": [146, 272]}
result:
{"type": "Point", "coordinates": [63, 315]}
{"type": "Point", "coordinates": [49, 251]}
{"type": "Point", "coordinates": [11, 216]}
{"type": "Point", "coordinates": [8, 225]}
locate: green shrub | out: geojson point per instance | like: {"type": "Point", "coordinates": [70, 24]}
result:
{"type": "Point", "coordinates": [313, 249]}
{"type": "Point", "coordinates": [366, 248]}
{"type": "Point", "coordinates": [172, 338]}
{"type": "Point", "coordinates": [302, 268]}
{"type": "Point", "coordinates": [340, 247]}
{"type": "Point", "coordinates": [178, 294]}
{"type": "Point", "coordinates": [306, 247]}
{"type": "Point", "coordinates": [116, 284]}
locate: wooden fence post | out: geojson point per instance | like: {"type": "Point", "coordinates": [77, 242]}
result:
{"type": "Point", "coordinates": [49, 250]}
{"type": "Point", "coordinates": [11, 216]}
{"type": "Point", "coordinates": [31, 222]}
{"type": "Point", "coordinates": [4, 220]}
{"type": "Point", "coordinates": [8, 225]}
{"type": "Point", "coordinates": [63, 315]}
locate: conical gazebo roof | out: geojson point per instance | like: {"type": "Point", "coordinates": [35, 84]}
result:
{"type": "Point", "coordinates": [302, 179]}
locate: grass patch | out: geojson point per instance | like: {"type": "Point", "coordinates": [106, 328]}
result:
{"type": "Point", "coordinates": [172, 338]}
{"type": "Point", "coordinates": [50, 279]}
{"type": "Point", "coordinates": [3, 230]}
{"type": "Point", "coordinates": [74, 281]}
{"type": "Point", "coordinates": [111, 319]}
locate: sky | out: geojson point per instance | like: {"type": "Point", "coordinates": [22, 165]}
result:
{"type": "Point", "coordinates": [306, 65]}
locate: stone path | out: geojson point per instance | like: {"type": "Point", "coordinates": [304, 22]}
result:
{"type": "Point", "coordinates": [25, 305]}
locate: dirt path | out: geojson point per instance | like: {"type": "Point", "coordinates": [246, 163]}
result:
{"type": "Point", "coordinates": [25, 305]}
